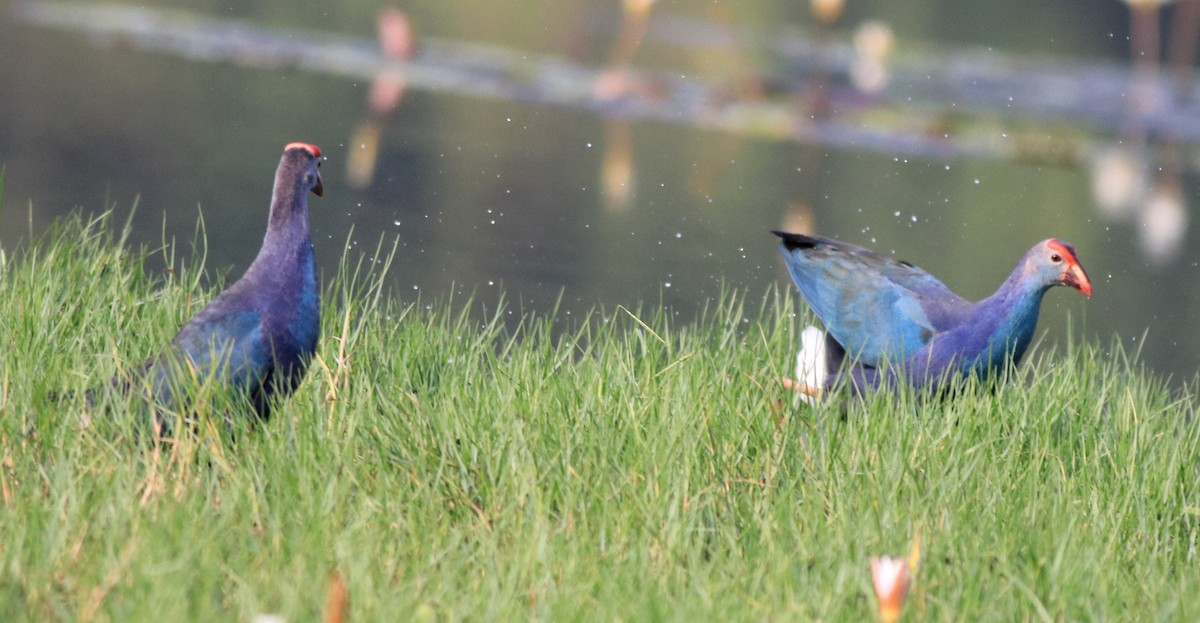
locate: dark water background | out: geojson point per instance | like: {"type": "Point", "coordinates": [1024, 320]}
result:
{"type": "Point", "coordinates": [498, 196]}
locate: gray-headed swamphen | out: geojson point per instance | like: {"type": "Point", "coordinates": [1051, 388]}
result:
{"type": "Point", "coordinates": [255, 338]}
{"type": "Point", "coordinates": [888, 322]}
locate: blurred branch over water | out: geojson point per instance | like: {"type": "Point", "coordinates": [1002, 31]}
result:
{"type": "Point", "coordinates": [958, 103]}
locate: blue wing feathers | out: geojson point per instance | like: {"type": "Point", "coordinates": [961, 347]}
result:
{"type": "Point", "coordinates": [876, 307]}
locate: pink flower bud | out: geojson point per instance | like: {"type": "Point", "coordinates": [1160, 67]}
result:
{"type": "Point", "coordinates": [890, 576]}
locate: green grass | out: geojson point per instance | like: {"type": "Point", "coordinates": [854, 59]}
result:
{"type": "Point", "coordinates": [632, 469]}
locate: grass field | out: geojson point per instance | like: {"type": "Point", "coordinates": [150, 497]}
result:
{"type": "Point", "coordinates": [634, 468]}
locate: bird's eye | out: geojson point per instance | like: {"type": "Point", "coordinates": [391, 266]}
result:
{"type": "Point", "coordinates": [1056, 258]}
{"type": "Point", "coordinates": [308, 178]}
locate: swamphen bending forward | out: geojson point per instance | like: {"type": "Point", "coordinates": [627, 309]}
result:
{"type": "Point", "coordinates": [256, 337]}
{"type": "Point", "coordinates": [890, 322]}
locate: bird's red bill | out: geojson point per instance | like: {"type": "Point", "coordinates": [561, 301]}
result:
{"type": "Point", "coordinates": [1078, 279]}
{"type": "Point", "coordinates": [1075, 276]}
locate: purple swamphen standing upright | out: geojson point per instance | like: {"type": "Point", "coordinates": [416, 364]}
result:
{"type": "Point", "coordinates": [256, 337]}
{"type": "Point", "coordinates": [887, 321]}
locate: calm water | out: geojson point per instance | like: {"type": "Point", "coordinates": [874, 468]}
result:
{"type": "Point", "coordinates": [492, 196]}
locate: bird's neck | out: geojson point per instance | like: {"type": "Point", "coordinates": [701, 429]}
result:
{"type": "Point", "coordinates": [1012, 315]}
{"type": "Point", "coordinates": [287, 244]}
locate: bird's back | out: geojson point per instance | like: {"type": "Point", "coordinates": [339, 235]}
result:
{"type": "Point", "coordinates": [876, 307]}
